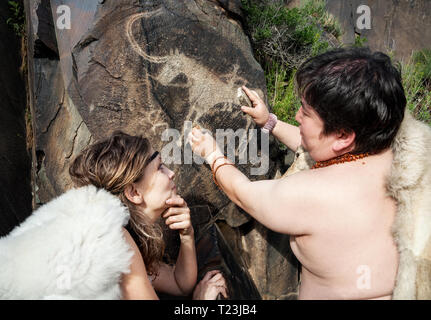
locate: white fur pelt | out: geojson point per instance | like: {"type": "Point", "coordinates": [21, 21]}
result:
{"type": "Point", "coordinates": [409, 183]}
{"type": "Point", "coordinates": [70, 248]}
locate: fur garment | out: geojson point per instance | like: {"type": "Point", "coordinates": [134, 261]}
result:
{"type": "Point", "coordinates": [409, 183]}
{"type": "Point", "coordinates": [70, 248]}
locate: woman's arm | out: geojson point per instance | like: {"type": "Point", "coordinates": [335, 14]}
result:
{"type": "Point", "coordinates": [283, 132]}
{"type": "Point", "coordinates": [136, 285]}
{"type": "Point", "coordinates": [186, 269]}
{"type": "Point", "coordinates": [282, 205]}
{"type": "Point", "coordinates": [181, 278]}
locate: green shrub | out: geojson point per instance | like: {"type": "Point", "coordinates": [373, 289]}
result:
{"type": "Point", "coordinates": [417, 84]}
{"type": "Point", "coordinates": [360, 41]}
{"type": "Point", "coordinates": [17, 19]}
{"type": "Point", "coordinates": [288, 36]}
{"type": "Point", "coordinates": [286, 102]}
{"type": "Point", "coordinates": [422, 60]}
{"type": "Point", "coordinates": [282, 39]}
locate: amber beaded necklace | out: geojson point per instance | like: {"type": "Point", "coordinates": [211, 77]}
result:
{"type": "Point", "coordinates": [347, 157]}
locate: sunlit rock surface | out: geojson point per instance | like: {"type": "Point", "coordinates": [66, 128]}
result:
{"type": "Point", "coordinates": [400, 26]}
{"type": "Point", "coordinates": [144, 67]}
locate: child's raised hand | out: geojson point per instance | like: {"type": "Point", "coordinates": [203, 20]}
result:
{"type": "Point", "coordinates": [259, 112]}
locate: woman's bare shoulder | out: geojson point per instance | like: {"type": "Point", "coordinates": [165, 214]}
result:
{"type": "Point", "coordinates": [136, 285]}
{"type": "Point", "coordinates": [129, 238]}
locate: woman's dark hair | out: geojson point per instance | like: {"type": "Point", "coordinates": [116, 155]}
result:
{"type": "Point", "coordinates": [355, 90]}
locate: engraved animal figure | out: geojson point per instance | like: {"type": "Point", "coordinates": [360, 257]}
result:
{"type": "Point", "coordinates": [201, 82]}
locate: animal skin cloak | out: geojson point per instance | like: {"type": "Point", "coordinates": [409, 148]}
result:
{"type": "Point", "coordinates": [409, 183]}
{"type": "Point", "coordinates": [73, 247]}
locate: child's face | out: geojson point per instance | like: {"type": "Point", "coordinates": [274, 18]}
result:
{"type": "Point", "coordinates": [156, 186]}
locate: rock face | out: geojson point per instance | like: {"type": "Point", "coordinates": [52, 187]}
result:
{"type": "Point", "coordinates": [15, 165]}
{"type": "Point", "coordinates": [144, 67]}
{"type": "Point", "coordinates": [396, 25]}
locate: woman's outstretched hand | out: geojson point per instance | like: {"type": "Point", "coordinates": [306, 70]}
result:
{"type": "Point", "coordinates": [203, 144]}
{"type": "Point", "coordinates": [211, 286]}
{"type": "Point", "coordinates": [259, 112]}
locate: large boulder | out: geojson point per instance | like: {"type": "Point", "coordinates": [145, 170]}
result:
{"type": "Point", "coordinates": [400, 26]}
{"type": "Point", "coordinates": [144, 67]}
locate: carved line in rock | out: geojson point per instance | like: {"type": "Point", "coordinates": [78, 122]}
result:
{"type": "Point", "coordinates": [177, 63]}
{"type": "Point", "coordinates": [136, 47]}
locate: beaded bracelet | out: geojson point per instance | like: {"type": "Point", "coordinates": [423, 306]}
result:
{"type": "Point", "coordinates": [270, 124]}
{"type": "Point", "coordinates": [215, 172]}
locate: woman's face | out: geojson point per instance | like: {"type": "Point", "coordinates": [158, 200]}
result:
{"type": "Point", "coordinates": [311, 127]}
{"type": "Point", "coordinates": [155, 187]}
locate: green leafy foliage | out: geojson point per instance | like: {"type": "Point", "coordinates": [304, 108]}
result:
{"type": "Point", "coordinates": [17, 19]}
{"type": "Point", "coordinates": [282, 39]}
{"type": "Point", "coordinates": [360, 41]}
{"type": "Point", "coordinates": [417, 84]}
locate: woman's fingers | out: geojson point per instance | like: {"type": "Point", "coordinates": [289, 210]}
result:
{"type": "Point", "coordinates": [180, 225]}
{"type": "Point", "coordinates": [197, 137]}
{"type": "Point", "coordinates": [211, 285]}
{"type": "Point", "coordinates": [178, 217]}
{"type": "Point", "coordinates": [210, 274]}
{"type": "Point", "coordinates": [253, 96]}
{"type": "Point", "coordinates": [176, 201]}
{"type": "Point", "coordinates": [223, 291]}
{"type": "Point", "coordinates": [248, 92]}
{"type": "Point", "coordinates": [189, 138]}
{"type": "Point", "coordinates": [201, 142]}
{"type": "Point", "coordinates": [220, 286]}
{"type": "Point", "coordinates": [248, 110]}
{"type": "Point", "coordinates": [216, 277]}
{"type": "Point", "coordinates": [194, 137]}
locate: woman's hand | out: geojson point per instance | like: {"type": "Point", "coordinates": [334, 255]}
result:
{"type": "Point", "coordinates": [210, 286]}
{"type": "Point", "coordinates": [203, 144]}
{"type": "Point", "coordinates": [178, 216]}
{"type": "Point", "coordinates": [259, 112]}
